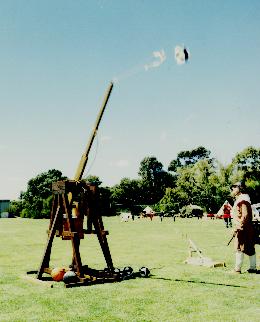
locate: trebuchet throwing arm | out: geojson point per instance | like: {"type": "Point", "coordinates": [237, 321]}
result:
{"type": "Point", "coordinates": [84, 158]}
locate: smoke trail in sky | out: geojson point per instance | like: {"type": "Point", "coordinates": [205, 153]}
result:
{"type": "Point", "coordinates": [128, 73]}
{"type": "Point", "coordinates": [156, 63]}
{"type": "Point", "coordinates": [101, 3]}
{"type": "Point", "coordinates": [181, 56]}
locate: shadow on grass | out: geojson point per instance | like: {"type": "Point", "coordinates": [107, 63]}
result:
{"type": "Point", "coordinates": [196, 282]}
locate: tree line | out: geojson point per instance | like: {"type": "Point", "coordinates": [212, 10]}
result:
{"type": "Point", "coordinates": [194, 177]}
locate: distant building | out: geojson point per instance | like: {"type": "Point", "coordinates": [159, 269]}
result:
{"type": "Point", "coordinates": [4, 206]}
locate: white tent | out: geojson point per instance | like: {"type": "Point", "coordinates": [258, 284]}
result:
{"type": "Point", "coordinates": [125, 216]}
{"type": "Point", "coordinates": [148, 210]}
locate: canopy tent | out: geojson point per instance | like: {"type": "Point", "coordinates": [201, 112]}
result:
{"type": "Point", "coordinates": [148, 210]}
{"type": "Point", "coordinates": [191, 211]}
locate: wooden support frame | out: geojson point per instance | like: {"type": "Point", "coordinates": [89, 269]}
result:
{"type": "Point", "coordinates": [67, 222]}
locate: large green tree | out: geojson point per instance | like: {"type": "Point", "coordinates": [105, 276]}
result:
{"type": "Point", "coordinates": [37, 198]}
{"type": "Point", "coordinates": [16, 207]}
{"type": "Point", "coordinates": [194, 178]}
{"type": "Point", "coordinates": [93, 180]}
{"type": "Point", "coordinates": [155, 180]}
{"type": "Point", "coordinates": [202, 184]}
{"type": "Point", "coordinates": [185, 158]}
{"type": "Point", "coordinates": [246, 167]}
{"type": "Point", "coordinates": [128, 194]}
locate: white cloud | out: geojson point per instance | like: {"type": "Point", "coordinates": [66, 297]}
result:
{"type": "Point", "coordinates": [105, 138]}
{"type": "Point", "coordinates": [189, 119]}
{"type": "Point", "coordinates": [163, 136]}
{"type": "Point", "coordinates": [3, 147]}
{"type": "Point", "coordinates": [121, 163]}
{"type": "Point", "coordinates": [101, 3]}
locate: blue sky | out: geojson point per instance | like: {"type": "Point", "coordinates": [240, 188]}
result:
{"type": "Point", "coordinates": [57, 59]}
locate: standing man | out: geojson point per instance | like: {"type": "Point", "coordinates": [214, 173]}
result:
{"type": "Point", "coordinates": [244, 231]}
{"type": "Point", "coordinates": [227, 213]}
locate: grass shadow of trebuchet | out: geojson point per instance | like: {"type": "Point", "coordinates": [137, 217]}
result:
{"type": "Point", "coordinates": [194, 281]}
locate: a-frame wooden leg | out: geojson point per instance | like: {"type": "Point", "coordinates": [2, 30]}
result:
{"type": "Point", "coordinates": [47, 253]}
{"type": "Point", "coordinates": [102, 238]}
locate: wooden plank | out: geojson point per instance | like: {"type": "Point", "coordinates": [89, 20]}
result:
{"type": "Point", "coordinates": [47, 270]}
{"type": "Point", "coordinates": [75, 241]}
{"type": "Point", "coordinates": [88, 282]}
{"type": "Point", "coordinates": [103, 232]}
{"type": "Point", "coordinates": [68, 233]}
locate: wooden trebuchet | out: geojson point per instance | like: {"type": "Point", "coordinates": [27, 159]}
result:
{"type": "Point", "coordinates": [73, 201]}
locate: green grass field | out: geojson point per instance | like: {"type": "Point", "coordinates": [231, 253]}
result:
{"type": "Point", "coordinates": [175, 291]}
